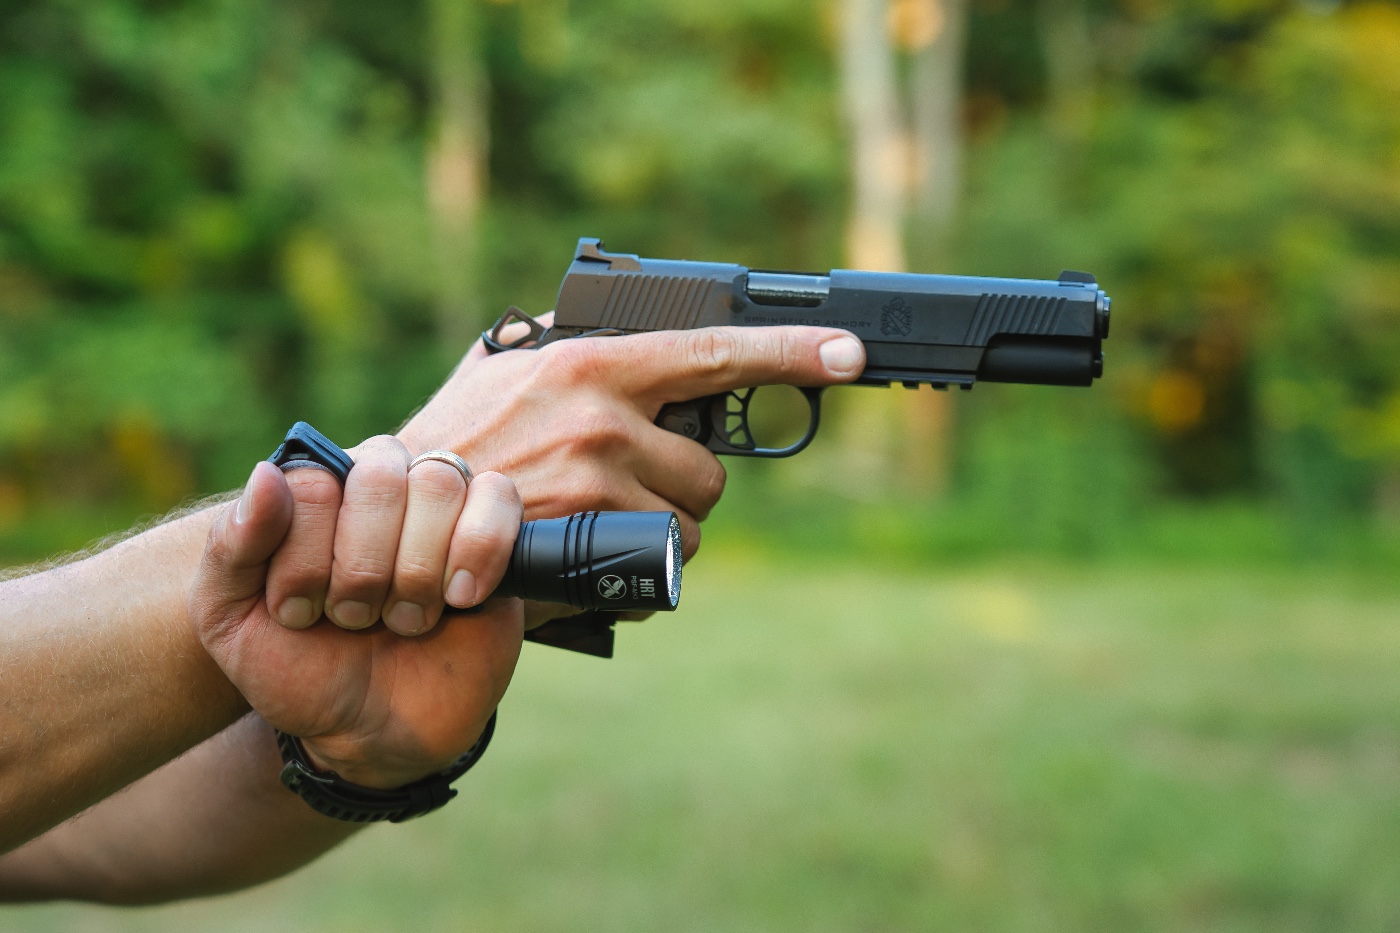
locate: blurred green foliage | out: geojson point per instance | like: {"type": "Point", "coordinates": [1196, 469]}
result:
{"type": "Point", "coordinates": [214, 220]}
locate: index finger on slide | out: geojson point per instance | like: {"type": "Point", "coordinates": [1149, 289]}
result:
{"type": "Point", "coordinates": [673, 366]}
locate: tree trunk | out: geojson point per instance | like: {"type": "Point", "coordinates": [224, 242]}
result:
{"type": "Point", "coordinates": [879, 146]}
{"type": "Point", "coordinates": [867, 426]}
{"type": "Point", "coordinates": [936, 37]}
{"type": "Point", "coordinates": [456, 167]}
{"type": "Point", "coordinates": [936, 90]}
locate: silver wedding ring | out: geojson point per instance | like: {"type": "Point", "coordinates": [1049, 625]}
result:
{"type": "Point", "coordinates": [447, 457]}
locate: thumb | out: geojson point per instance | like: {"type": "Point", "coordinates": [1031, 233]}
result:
{"type": "Point", "coordinates": [233, 571]}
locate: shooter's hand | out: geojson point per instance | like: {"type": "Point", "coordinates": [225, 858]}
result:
{"type": "Point", "coordinates": [379, 708]}
{"type": "Point", "coordinates": [572, 422]}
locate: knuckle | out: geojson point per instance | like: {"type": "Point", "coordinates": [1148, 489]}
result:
{"type": "Point", "coordinates": [588, 488]}
{"type": "Point", "coordinates": [218, 551]}
{"type": "Point", "coordinates": [598, 428]}
{"type": "Point", "coordinates": [481, 543]}
{"type": "Point", "coordinates": [790, 351]}
{"type": "Point", "coordinates": [378, 472]}
{"type": "Point", "coordinates": [314, 488]}
{"type": "Point", "coordinates": [385, 446]}
{"type": "Point", "coordinates": [710, 483]}
{"type": "Point", "coordinates": [710, 352]}
{"type": "Point", "coordinates": [574, 361]}
{"type": "Point", "coordinates": [297, 575]}
{"type": "Point", "coordinates": [479, 549]}
{"type": "Point", "coordinates": [417, 576]}
{"type": "Point", "coordinates": [360, 574]}
{"type": "Point", "coordinates": [596, 489]}
{"type": "Point", "coordinates": [377, 479]}
{"type": "Point", "coordinates": [499, 487]}
{"type": "Point", "coordinates": [436, 482]}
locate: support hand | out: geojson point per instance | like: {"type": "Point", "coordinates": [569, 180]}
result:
{"type": "Point", "coordinates": [378, 708]}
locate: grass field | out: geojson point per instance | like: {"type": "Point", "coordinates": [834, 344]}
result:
{"type": "Point", "coordinates": [835, 748]}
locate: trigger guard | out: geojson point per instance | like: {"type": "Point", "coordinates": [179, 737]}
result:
{"type": "Point", "coordinates": [720, 415]}
{"type": "Point", "coordinates": [719, 440]}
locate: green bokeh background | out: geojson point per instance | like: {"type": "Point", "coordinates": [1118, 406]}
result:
{"type": "Point", "coordinates": [1124, 667]}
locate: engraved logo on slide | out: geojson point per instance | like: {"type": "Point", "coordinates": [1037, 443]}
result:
{"type": "Point", "coordinates": [896, 318]}
{"type": "Point", "coordinates": [612, 587]}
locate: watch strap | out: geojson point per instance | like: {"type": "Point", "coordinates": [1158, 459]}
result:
{"type": "Point", "coordinates": [329, 794]}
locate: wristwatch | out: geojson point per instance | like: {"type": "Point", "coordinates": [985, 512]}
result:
{"type": "Point", "coordinates": [325, 791]}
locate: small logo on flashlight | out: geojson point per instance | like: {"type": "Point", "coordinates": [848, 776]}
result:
{"type": "Point", "coordinates": [612, 587]}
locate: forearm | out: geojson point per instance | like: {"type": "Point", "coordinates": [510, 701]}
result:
{"type": "Point", "coordinates": [151, 842]}
{"type": "Point", "coordinates": [103, 677]}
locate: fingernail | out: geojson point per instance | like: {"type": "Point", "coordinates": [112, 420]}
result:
{"type": "Point", "coordinates": [462, 589]}
{"type": "Point", "coordinates": [842, 356]}
{"type": "Point", "coordinates": [245, 504]}
{"type": "Point", "coordinates": [351, 614]}
{"type": "Point", "coordinates": [295, 612]}
{"type": "Point", "coordinates": [406, 618]}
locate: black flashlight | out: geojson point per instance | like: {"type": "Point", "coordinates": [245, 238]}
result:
{"type": "Point", "coordinates": [624, 561]}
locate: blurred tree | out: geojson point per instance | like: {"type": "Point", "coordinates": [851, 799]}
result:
{"type": "Point", "coordinates": [878, 139]}
{"type": "Point", "coordinates": [904, 176]}
{"type": "Point", "coordinates": [879, 144]}
{"type": "Point", "coordinates": [934, 32]}
{"type": "Point", "coordinates": [457, 165]}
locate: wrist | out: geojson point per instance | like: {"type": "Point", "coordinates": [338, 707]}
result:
{"type": "Point", "coordinates": [379, 772]}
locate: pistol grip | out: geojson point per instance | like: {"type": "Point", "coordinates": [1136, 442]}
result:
{"type": "Point", "coordinates": [721, 423]}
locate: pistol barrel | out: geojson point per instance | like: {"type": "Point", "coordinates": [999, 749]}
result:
{"type": "Point", "coordinates": [787, 289]}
